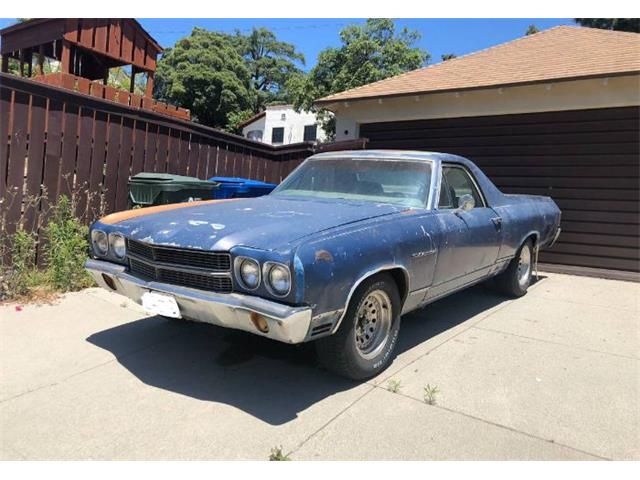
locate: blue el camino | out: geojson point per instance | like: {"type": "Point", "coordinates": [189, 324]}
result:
{"type": "Point", "coordinates": [344, 246]}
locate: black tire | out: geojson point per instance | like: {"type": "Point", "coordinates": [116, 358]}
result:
{"type": "Point", "coordinates": [513, 282]}
{"type": "Point", "coordinates": [340, 353]}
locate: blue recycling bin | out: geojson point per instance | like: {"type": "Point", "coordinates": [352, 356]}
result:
{"type": "Point", "coordinates": [234, 187]}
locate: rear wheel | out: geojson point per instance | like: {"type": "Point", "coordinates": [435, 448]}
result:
{"type": "Point", "coordinates": [515, 280]}
{"type": "Point", "coordinates": [363, 345]}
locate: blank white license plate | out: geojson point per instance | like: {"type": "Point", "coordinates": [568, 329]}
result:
{"type": "Point", "coordinates": [160, 304]}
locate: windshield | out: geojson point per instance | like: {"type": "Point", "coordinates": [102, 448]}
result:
{"type": "Point", "coordinates": [401, 182]}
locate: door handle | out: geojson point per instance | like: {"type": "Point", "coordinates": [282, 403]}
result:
{"type": "Point", "coordinates": [497, 222]}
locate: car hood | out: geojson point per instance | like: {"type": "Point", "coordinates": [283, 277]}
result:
{"type": "Point", "coordinates": [266, 223]}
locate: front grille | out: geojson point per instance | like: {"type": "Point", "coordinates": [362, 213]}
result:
{"type": "Point", "coordinates": [202, 281]}
{"type": "Point", "coordinates": [194, 280]}
{"type": "Point", "coordinates": [142, 268]}
{"type": "Point", "coordinates": [178, 266]}
{"type": "Point", "coordinates": [140, 249]}
{"type": "Point", "coordinates": [210, 261]}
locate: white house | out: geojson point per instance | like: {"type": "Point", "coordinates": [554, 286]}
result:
{"type": "Point", "coordinates": [282, 125]}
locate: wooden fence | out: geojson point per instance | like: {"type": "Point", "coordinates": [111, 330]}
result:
{"type": "Point", "coordinates": [59, 142]}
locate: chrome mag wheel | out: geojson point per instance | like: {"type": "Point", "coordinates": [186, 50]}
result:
{"type": "Point", "coordinates": [373, 322]}
{"type": "Point", "coordinates": [524, 266]}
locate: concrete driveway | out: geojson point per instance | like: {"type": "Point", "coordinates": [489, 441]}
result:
{"type": "Point", "coordinates": [553, 375]}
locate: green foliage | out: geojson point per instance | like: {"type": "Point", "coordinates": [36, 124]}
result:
{"type": "Point", "coordinates": [448, 56]}
{"type": "Point", "coordinates": [205, 73]}
{"type": "Point", "coordinates": [270, 63]}
{"type": "Point", "coordinates": [235, 119]}
{"type": "Point", "coordinates": [23, 253]}
{"type": "Point", "coordinates": [120, 78]}
{"type": "Point", "coordinates": [66, 249]}
{"type": "Point", "coordinates": [531, 30]}
{"type": "Point", "coordinates": [430, 394]}
{"type": "Point", "coordinates": [622, 24]}
{"type": "Point", "coordinates": [368, 53]}
{"type": "Point", "coordinates": [277, 455]}
{"type": "Point", "coordinates": [224, 79]}
{"type": "Point", "coordinates": [394, 386]}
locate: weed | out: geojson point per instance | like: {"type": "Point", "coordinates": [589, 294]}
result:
{"type": "Point", "coordinates": [277, 455]}
{"type": "Point", "coordinates": [394, 386]}
{"type": "Point", "coordinates": [430, 394]}
{"type": "Point", "coordinates": [20, 275]}
{"type": "Point", "coordinates": [66, 249]}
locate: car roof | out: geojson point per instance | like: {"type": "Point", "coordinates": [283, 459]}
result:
{"type": "Point", "coordinates": [392, 155]}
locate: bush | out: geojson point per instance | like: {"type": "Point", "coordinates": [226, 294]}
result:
{"type": "Point", "coordinates": [66, 249]}
{"type": "Point", "coordinates": [18, 278]}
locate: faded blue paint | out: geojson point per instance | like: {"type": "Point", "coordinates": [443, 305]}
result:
{"type": "Point", "coordinates": [332, 245]}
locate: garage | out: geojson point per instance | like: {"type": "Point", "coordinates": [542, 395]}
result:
{"type": "Point", "coordinates": [586, 160]}
{"type": "Point", "coordinates": [556, 113]}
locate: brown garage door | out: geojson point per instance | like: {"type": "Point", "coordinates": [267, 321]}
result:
{"type": "Point", "coordinates": [586, 160]}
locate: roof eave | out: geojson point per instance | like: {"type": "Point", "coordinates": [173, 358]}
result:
{"type": "Point", "coordinates": [249, 121]}
{"type": "Point", "coordinates": [324, 102]}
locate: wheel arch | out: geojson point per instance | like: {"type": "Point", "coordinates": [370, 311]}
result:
{"type": "Point", "coordinates": [400, 276]}
{"type": "Point", "coordinates": [532, 235]}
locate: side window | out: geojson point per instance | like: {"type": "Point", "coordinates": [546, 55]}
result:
{"type": "Point", "coordinates": [445, 200]}
{"type": "Point", "coordinates": [459, 183]}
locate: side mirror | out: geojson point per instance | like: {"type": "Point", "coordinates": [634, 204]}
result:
{"type": "Point", "coordinates": [466, 203]}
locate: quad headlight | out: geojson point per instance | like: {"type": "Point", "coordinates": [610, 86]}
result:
{"type": "Point", "coordinates": [100, 242]}
{"type": "Point", "coordinates": [118, 245]}
{"type": "Point", "coordinates": [277, 278]}
{"type": "Point", "coordinates": [249, 273]}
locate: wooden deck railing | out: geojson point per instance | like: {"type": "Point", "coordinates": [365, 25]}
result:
{"type": "Point", "coordinates": [99, 90]}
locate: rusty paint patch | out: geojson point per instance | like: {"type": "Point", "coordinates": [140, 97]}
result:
{"type": "Point", "coordinates": [141, 212]}
{"type": "Point", "coordinates": [324, 256]}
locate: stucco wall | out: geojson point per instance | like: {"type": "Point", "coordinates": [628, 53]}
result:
{"type": "Point", "coordinates": [293, 124]}
{"type": "Point", "coordinates": [569, 95]}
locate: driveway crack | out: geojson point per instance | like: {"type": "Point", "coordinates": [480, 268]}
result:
{"type": "Point", "coordinates": [551, 342]}
{"type": "Point", "coordinates": [331, 420]}
{"type": "Point", "coordinates": [499, 425]}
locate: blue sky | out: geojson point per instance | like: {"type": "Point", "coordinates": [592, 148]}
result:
{"type": "Point", "coordinates": [311, 35]}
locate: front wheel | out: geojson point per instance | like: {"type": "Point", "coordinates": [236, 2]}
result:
{"type": "Point", "coordinates": [515, 280]}
{"type": "Point", "coordinates": [363, 345]}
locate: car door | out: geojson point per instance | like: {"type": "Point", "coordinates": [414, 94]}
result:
{"type": "Point", "coordinates": [470, 240]}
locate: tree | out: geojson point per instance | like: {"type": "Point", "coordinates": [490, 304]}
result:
{"type": "Point", "coordinates": [448, 56]}
{"type": "Point", "coordinates": [205, 73]}
{"type": "Point", "coordinates": [622, 24]}
{"type": "Point", "coordinates": [368, 53]}
{"type": "Point", "coordinates": [270, 62]}
{"type": "Point", "coordinates": [234, 119]}
{"type": "Point", "coordinates": [531, 30]}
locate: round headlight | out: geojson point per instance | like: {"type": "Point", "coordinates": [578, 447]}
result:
{"type": "Point", "coordinates": [118, 245]}
{"type": "Point", "coordinates": [250, 273]}
{"type": "Point", "coordinates": [100, 242]}
{"type": "Point", "coordinates": [279, 279]}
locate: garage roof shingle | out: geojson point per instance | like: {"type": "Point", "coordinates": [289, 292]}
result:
{"type": "Point", "coordinates": [558, 53]}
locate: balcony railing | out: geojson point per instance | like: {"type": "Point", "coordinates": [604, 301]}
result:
{"type": "Point", "coordinates": [107, 92]}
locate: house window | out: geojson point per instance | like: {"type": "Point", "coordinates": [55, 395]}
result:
{"type": "Point", "coordinates": [310, 133]}
{"type": "Point", "coordinates": [277, 135]}
{"type": "Point", "coordinates": [255, 135]}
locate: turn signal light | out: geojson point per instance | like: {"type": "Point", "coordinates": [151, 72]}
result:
{"type": "Point", "coordinates": [259, 322]}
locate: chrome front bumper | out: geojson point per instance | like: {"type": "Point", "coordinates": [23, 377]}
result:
{"type": "Point", "coordinates": [231, 310]}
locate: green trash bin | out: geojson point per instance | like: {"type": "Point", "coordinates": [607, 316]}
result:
{"type": "Point", "coordinates": [146, 189]}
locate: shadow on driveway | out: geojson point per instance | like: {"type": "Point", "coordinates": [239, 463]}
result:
{"type": "Point", "coordinates": [267, 379]}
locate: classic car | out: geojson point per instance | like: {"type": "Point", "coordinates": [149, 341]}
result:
{"type": "Point", "coordinates": [343, 247]}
